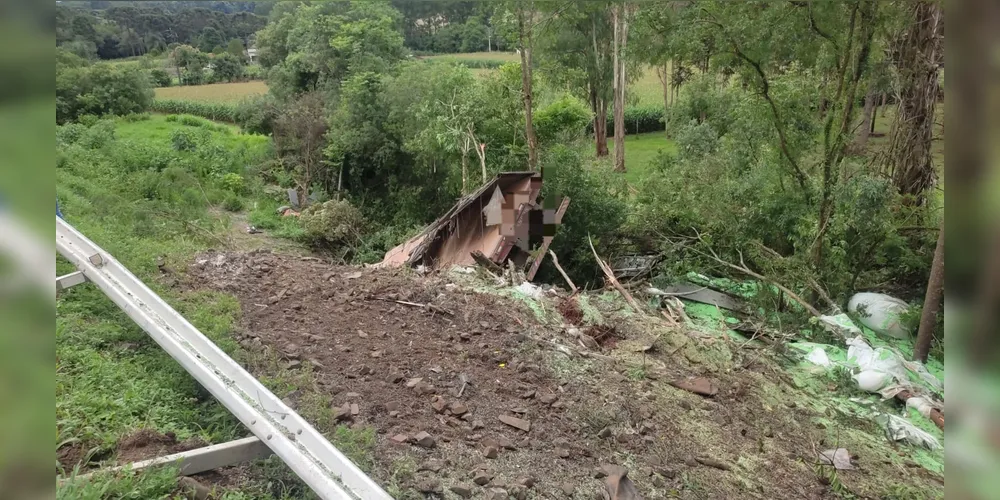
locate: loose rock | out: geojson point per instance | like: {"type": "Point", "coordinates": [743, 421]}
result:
{"type": "Point", "coordinates": [428, 485]}
{"type": "Point", "coordinates": [425, 440]}
{"type": "Point", "coordinates": [482, 478]}
{"type": "Point", "coordinates": [462, 490]}
{"type": "Point", "coordinates": [568, 488]}
{"type": "Point", "coordinates": [491, 452]}
{"type": "Point", "coordinates": [496, 494]}
{"type": "Point", "coordinates": [548, 399]}
{"type": "Point", "coordinates": [698, 385]}
{"type": "Point", "coordinates": [458, 408]}
{"type": "Point", "coordinates": [518, 423]}
{"type": "Point", "coordinates": [605, 433]}
{"type": "Point", "coordinates": [400, 438]}
{"type": "Point", "coordinates": [410, 384]}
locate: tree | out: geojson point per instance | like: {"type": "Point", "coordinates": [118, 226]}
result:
{"type": "Point", "coordinates": [298, 139]}
{"type": "Point", "coordinates": [235, 48]}
{"type": "Point", "coordinates": [100, 89]}
{"type": "Point", "coordinates": [918, 56]}
{"type": "Point", "coordinates": [525, 11]}
{"type": "Point", "coordinates": [227, 68]}
{"type": "Point", "coordinates": [932, 301]}
{"type": "Point", "coordinates": [188, 58]}
{"type": "Point", "coordinates": [575, 50]}
{"type": "Point", "coordinates": [314, 47]}
{"type": "Point", "coordinates": [620, 17]}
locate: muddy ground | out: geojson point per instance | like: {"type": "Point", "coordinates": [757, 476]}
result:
{"type": "Point", "coordinates": [406, 355]}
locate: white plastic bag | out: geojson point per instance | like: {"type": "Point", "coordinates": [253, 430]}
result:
{"type": "Point", "coordinates": [877, 368]}
{"type": "Point", "coordinates": [818, 357]}
{"type": "Point", "coordinates": [880, 312]}
{"type": "Point", "coordinates": [900, 429]}
{"type": "Point", "coordinates": [840, 324]}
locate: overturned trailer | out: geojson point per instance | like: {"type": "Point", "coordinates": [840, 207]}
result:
{"type": "Point", "coordinates": [502, 220]}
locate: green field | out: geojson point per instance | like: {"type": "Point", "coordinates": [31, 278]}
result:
{"type": "Point", "coordinates": [215, 92]}
{"type": "Point", "coordinates": [640, 150]}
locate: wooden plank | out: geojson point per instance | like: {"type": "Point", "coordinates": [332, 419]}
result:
{"type": "Point", "coordinates": [547, 240]}
{"type": "Point", "coordinates": [199, 460]}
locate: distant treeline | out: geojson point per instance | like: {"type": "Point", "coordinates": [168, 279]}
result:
{"type": "Point", "coordinates": [128, 29]}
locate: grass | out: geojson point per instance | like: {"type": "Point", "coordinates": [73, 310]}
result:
{"type": "Point", "coordinates": [491, 56]}
{"type": "Point", "coordinates": [640, 150]}
{"type": "Point", "coordinates": [215, 92]}
{"type": "Point", "coordinates": [647, 89]}
{"type": "Point", "coordinates": [111, 378]}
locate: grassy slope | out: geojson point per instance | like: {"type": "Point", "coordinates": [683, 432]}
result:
{"type": "Point", "coordinates": [215, 92]}
{"type": "Point", "coordinates": [111, 379]}
{"type": "Point", "coordinates": [495, 56]}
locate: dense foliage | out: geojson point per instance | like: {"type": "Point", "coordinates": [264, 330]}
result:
{"type": "Point", "coordinates": [133, 30]}
{"type": "Point", "coordinates": [100, 89]}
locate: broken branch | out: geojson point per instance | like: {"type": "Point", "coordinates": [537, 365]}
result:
{"type": "Point", "coordinates": [555, 262]}
{"type": "Point", "coordinates": [610, 275]}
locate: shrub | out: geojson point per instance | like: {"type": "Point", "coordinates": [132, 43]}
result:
{"type": "Point", "coordinates": [332, 224]}
{"type": "Point", "coordinates": [233, 182]}
{"type": "Point", "coordinates": [568, 115]}
{"type": "Point", "coordinates": [131, 156]}
{"type": "Point", "coordinates": [232, 203]}
{"type": "Point", "coordinates": [160, 78]}
{"type": "Point", "coordinates": [256, 115]}
{"type": "Point", "coordinates": [136, 117]}
{"type": "Point", "coordinates": [183, 140]}
{"type": "Point", "coordinates": [70, 133]}
{"type": "Point", "coordinates": [226, 68]}
{"type": "Point", "coordinates": [193, 77]}
{"type": "Point", "coordinates": [99, 135]}
{"type": "Point", "coordinates": [101, 89]}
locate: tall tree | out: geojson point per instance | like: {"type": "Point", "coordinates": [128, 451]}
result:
{"type": "Point", "coordinates": [917, 57]}
{"type": "Point", "coordinates": [575, 51]}
{"type": "Point", "coordinates": [621, 14]}
{"type": "Point", "coordinates": [526, 17]}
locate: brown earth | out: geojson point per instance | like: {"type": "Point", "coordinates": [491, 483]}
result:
{"type": "Point", "coordinates": [425, 355]}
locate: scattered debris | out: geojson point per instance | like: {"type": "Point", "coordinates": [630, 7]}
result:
{"type": "Point", "coordinates": [610, 275]}
{"type": "Point", "coordinates": [462, 490]}
{"type": "Point", "coordinates": [900, 429]}
{"type": "Point", "coordinates": [711, 462]}
{"type": "Point", "coordinates": [697, 385]}
{"type": "Point", "coordinates": [515, 422]}
{"type": "Point", "coordinates": [702, 295]}
{"type": "Point", "coordinates": [425, 440]}
{"type": "Point", "coordinates": [618, 485]}
{"type": "Point", "coordinates": [482, 478]}
{"type": "Point", "coordinates": [880, 312]}
{"type": "Point", "coordinates": [634, 266]}
{"type": "Point", "coordinates": [840, 459]}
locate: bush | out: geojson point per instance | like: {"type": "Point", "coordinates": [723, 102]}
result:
{"type": "Point", "coordinates": [193, 77]}
{"type": "Point", "coordinates": [568, 115]}
{"type": "Point", "coordinates": [232, 203]}
{"type": "Point", "coordinates": [256, 115]}
{"type": "Point", "coordinates": [99, 135]}
{"type": "Point", "coordinates": [160, 78]}
{"type": "Point", "coordinates": [597, 209]}
{"type": "Point", "coordinates": [101, 89]}
{"type": "Point", "coordinates": [638, 120]}
{"type": "Point", "coordinates": [334, 223]}
{"type": "Point", "coordinates": [233, 182]}
{"type": "Point", "coordinates": [226, 68]}
{"type": "Point", "coordinates": [131, 156]}
{"type": "Point", "coordinates": [183, 140]}
{"type": "Point", "coordinates": [70, 133]}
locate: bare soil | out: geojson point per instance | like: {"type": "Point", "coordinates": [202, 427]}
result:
{"type": "Point", "coordinates": [422, 354]}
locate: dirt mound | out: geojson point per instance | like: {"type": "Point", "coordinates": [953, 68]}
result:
{"type": "Point", "coordinates": [470, 391]}
{"type": "Point", "coordinates": [144, 444]}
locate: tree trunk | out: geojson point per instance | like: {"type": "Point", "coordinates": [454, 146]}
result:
{"type": "Point", "coordinates": [917, 58]}
{"type": "Point", "coordinates": [932, 301]}
{"type": "Point", "coordinates": [465, 171]}
{"type": "Point", "coordinates": [885, 99]}
{"type": "Point", "coordinates": [618, 17]}
{"type": "Point", "coordinates": [663, 72]}
{"type": "Point", "coordinates": [867, 122]}
{"type": "Point", "coordinates": [601, 126]}
{"type": "Point", "coordinates": [524, 37]}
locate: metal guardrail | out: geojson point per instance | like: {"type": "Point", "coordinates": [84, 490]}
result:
{"type": "Point", "coordinates": [317, 462]}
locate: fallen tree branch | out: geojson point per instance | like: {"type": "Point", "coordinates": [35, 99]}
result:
{"type": "Point", "coordinates": [486, 263]}
{"type": "Point", "coordinates": [555, 262]}
{"type": "Point", "coordinates": [429, 307]}
{"type": "Point", "coordinates": [742, 267]}
{"type": "Point", "coordinates": [610, 275]}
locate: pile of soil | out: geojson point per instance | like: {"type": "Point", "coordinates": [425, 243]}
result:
{"type": "Point", "coordinates": [467, 388]}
